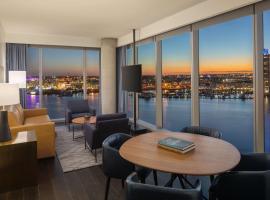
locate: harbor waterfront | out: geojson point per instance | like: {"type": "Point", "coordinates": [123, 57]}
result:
{"type": "Point", "coordinates": [177, 114]}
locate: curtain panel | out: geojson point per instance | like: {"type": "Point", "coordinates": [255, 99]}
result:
{"type": "Point", "coordinates": [16, 61]}
{"type": "Point", "coordinates": [120, 62]}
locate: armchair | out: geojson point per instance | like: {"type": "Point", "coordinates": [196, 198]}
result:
{"type": "Point", "coordinates": [106, 125]}
{"type": "Point", "coordinates": [77, 108]}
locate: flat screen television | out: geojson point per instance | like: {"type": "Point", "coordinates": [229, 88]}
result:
{"type": "Point", "coordinates": [132, 78]}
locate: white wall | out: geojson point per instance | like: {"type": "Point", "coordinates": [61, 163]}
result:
{"type": "Point", "coordinates": [2, 54]}
{"type": "Point", "coordinates": [61, 40]}
{"type": "Point", "coordinates": [203, 10]}
{"type": "Point", "coordinates": [108, 75]}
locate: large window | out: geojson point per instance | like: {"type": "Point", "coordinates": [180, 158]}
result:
{"type": "Point", "coordinates": [129, 95]}
{"type": "Point", "coordinates": [92, 78]}
{"type": "Point", "coordinates": [32, 79]}
{"type": "Point", "coordinates": [176, 81]}
{"type": "Point", "coordinates": [147, 99]}
{"type": "Point", "coordinates": [266, 67]}
{"type": "Point", "coordinates": [226, 80]}
{"type": "Point", "coordinates": [62, 73]}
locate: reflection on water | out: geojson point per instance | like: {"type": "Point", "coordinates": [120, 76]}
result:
{"type": "Point", "coordinates": [233, 117]}
{"type": "Point", "coordinates": [56, 105]}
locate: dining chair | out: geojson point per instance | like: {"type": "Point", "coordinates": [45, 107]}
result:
{"type": "Point", "coordinates": [254, 162]}
{"type": "Point", "coordinates": [211, 132]}
{"type": "Point", "coordinates": [241, 185]}
{"type": "Point", "coordinates": [206, 131]}
{"type": "Point", "coordinates": [139, 191]}
{"type": "Point", "coordinates": [114, 166]}
{"type": "Point", "coordinates": [249, 180]}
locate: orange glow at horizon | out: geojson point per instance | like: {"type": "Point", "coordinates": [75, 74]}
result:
{"type": "Point", "coordinates": [217, 66]}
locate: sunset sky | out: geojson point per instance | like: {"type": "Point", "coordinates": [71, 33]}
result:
{"type": "Point", "coordinates": [223, 48]}
{"type": "Point", "coordinates": [63, 62]}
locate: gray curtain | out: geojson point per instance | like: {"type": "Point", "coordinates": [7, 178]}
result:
{"type": "Point", "coordinates": [16, 61]}
{"type": "Point", "coordinates": [120, 62]}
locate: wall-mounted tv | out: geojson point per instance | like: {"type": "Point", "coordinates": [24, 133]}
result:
{"type": "Point", "coordinates": [132, 78]}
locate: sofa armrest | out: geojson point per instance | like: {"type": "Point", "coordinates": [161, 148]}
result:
{"type": "Point", "coordinates": [35, 112]}
{"type": "Point", "coordinates": [45, 134]}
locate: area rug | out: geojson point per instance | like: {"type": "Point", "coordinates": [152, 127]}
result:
{"type": "Point", "coordinates": [71, 153]}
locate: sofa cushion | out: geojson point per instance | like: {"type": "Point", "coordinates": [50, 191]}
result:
{"type": "Point", "coordinates": [37, 120]}
{"type": "Point", "coordinates": [20, 110]}
{"type": "Point", "coordinates": [14, 117]}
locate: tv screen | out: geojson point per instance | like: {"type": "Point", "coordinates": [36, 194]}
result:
{"type": "Point", "coordinates": [132, 78]}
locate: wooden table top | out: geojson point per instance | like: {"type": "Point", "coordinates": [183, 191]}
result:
{"type": "Point", "coordinates": [82, 120]}
{"type": "Point", "coordinates": [211, 156]}
{"type": "Point", "coordinates": [21, 137]}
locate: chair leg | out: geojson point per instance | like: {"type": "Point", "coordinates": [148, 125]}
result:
{"type": "Point", "coordinates": [155, 177]}
{"type": "Point", "coordinates": [143, 180]}
{"type": "Point", "coordinates": [96, 155]}
{"type": "Point", "coordinates": [212, 177]}
{"type": "Point", "coordinates": [107, 187]}
{"type": "Point", "coordinates": [123, 183]}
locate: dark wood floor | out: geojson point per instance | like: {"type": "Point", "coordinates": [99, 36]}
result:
{"type": "Point", "coordinates": [84, 184]}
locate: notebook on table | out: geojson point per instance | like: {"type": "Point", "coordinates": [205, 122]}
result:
{"type": "Point", "coordinates": [176, 144]}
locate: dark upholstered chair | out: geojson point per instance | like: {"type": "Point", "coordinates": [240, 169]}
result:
{"type": "Point", "coordinates": [254, 162]}
{"type": "Point", "coordinates": [211, 132]}
{"type": "Point", "coordinates": [77, 108]}
{"type": "Point", "coordinates": [244, 185]}
{"type": "Point", "coordinates": [106, 125]}
{"type": "Point", "coordinates": [114, 166]}
{"type": "Point", "coordinates": [138, 191]}
{"type": "Point", "coordinates": [249, 180]}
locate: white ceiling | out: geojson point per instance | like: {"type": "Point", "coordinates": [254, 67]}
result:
{"type": "Point", "coordinates": [85, 18]}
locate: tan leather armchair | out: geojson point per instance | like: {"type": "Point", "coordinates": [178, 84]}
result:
{"type": "Point", "coordinates": [37, 120]}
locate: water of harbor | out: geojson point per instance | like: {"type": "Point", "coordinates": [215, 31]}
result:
{"type": "Point", "coordinates": [233, 117]}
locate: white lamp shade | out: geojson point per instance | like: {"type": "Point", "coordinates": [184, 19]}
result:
{"type": "Point", "coordinates": [9, 94]}
{"type": "Point", "coordinates": [17, 77]}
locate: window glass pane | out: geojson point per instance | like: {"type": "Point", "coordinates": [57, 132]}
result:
{"type": "Point", "coordinates": [62, 79]}
{"type": "Point", "coordinates": [129, 97]}
{"type": "Point", "coordinates": [32, 76]}
{"type": "Point", "coordinates": [92, 78]}
{"type": "Point", "coordinates": [226, 80]}
{"type": "Point", "coordinates": [266, 67]}
{"type": "Point", "coordinates": [176, 82]}
{"type": "Point", "coordinates": [147, 99]}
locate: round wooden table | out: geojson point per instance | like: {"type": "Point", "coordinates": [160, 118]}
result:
{"type": "Point", "coordinates": [81, 121]}
{"type": "Point", "coordinates": [211, 156]}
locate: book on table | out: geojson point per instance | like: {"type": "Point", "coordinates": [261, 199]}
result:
{"type": "Point", "coordinates": [176, 144]}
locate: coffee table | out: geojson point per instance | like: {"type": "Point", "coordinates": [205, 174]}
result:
{"type": "Point", "coordinates": [82, 121]}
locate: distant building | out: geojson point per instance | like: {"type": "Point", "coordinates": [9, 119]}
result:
{"type": "Point", "coordinates": [266, 72]}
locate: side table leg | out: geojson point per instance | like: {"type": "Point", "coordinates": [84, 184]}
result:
{"type": "Point", "coordinates": [73, 131]}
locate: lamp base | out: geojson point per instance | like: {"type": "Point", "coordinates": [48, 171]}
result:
{"type": "Point", "coordinates": [4, 127]}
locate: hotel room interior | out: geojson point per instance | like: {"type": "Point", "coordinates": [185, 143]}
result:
{"type": "Point", "coordinates": [135, 100]}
